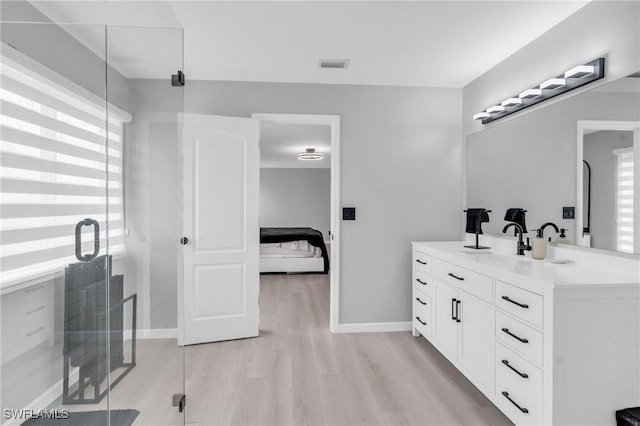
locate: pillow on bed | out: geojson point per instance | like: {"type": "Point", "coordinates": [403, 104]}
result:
{"type": "Point", "coordinates": [270, 245]}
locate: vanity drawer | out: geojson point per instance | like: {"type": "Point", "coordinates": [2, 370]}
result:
{"type": "Point", "coordinates": [423, 282]}
{"type": "Point", "coordinates": [422, 319]}
{"type": "Point", "coordinates": [519, 337]}
{"type": "Point", "coordinates": [521, 381]}
{"type": "Point", "coordinates": [472, 282]}
{"type": "Point", "coordinates": [421, 262]}
{"type": "Point", "coordinates": [521, 303]}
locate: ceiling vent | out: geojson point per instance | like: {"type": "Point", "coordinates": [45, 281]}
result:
{"type": "Point", "coordinates": [334, 63]}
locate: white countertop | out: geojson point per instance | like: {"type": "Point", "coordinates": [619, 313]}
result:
{"type": "Point", "coordinates": [577, 272]}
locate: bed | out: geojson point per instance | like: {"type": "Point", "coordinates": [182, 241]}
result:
{"type": "Point", "coordinates": [293, 250]}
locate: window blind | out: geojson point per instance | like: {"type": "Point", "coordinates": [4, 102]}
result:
{"type": "Point", "coordinates": [624, 199]}
{"type": "Point", "coordinates": [60, 162]}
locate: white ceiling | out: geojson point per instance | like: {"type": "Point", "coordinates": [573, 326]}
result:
{"type": "Point", "coordinates": [281, 143]}
{"type": "Point", "coordinates": [414, 43]}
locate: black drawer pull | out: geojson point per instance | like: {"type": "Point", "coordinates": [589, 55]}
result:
{"type": "Point", "coordinates": [506, 395]}
{"type": "Point", "coordinates": [456, 277]}
{"type": "Point", "coordinates": [506, 330]}
{"type": "Point", "coordinates": [420, 321]}
{"type": "Point", "coordinates": [420, 281]}
{"type": "Point", "coordinates": [522, 305]}
{"type": "Point", "coordinates": [523, 375]}
{"type": "Point", "coordinates": [420, 261]}
{"type": "Point", "coordinates": [420, 301]}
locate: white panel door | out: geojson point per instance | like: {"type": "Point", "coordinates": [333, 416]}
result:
{"type": "Point", "coordinates": [476, 328]}
{"type": "Point", "coordinates": [220, 285]}
{"type": "Point", "coordinates": [446, 332]}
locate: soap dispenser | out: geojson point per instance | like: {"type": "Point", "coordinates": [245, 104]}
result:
{"type": "Point", "coordinates": [563, 239]}
{"type": "Point", "coordinates": [539, 246]}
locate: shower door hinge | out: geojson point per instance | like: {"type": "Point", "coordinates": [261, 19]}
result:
{"type": "Point", "coordinates": [177, 80]}
{"type": "Point", "coordinates": [179, 400]}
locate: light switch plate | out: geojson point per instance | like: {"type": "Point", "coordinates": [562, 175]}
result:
{"type": "Point", "coordinates": [568, 212]}
{"type": "Point", "coordinates": [348, 213]}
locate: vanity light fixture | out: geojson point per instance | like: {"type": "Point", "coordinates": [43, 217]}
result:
{"type": "Point", "coordinates": [310, 154]}
{"type": "Point", "coordinates": [495, 108]}
{"type": "Point", "coordinates": [511, 102]}
{"type": "Point", "coordinates": [553, 83]}
{"type": "Point", "coordinates": [572, 79]}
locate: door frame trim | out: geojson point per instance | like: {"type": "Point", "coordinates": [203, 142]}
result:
{"type": "Point", "coordinates": [334, 272]}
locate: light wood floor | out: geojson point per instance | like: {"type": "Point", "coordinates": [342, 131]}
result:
{"type": "Point", "coordinates": [297, 372]}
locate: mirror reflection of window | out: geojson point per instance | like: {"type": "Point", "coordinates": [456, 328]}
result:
{"type": "Point", "coordinates": [624, 199]}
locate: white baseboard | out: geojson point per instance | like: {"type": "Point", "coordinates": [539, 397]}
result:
{"type": "Point", "coordinates": [374, 327]}
{"type": "Point", "coordinates": [153, 333]}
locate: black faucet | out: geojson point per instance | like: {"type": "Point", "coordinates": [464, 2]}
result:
{"type": "Point", "coordinates": [521, 245]}
{"type": "Point", "coordinates": [541, 230]}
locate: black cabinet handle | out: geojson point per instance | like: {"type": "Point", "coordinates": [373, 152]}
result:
{"type": "Point", "coordinates": [458, 310]}
{"type": "Point", "coordinates": [420, 301]}
{"type": "Point", "coordinates": [453, 304]}
{"type": "Point", "coordinates": [420, 321]}
{"type": "Point", "coordinates": [522, 305]}
{"type": "Point", "coordinates": [456, 277]}
{"type": "Point", "coordinates": [420, 281]}
{"type": "Point", "coordinates": [506, 330]}
{"type": "Point", "coordinates": [523, 375]}
{"type": "Point", "coordinates": [506, 395]}
{"type": "Point", "coordinates": [420, 261]}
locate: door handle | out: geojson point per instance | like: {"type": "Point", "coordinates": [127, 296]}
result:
{"type": "Point", "coordinates": [96, 240]}
{"type": "Point", "coordinates": [458, 310]}
{"type": "Point", "coordinates": [184, 241]}
{"type": "Point", "coordinates": [453, 304]}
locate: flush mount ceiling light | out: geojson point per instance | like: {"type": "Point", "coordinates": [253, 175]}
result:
{"type": "Point", "coordinates": [310, 154]}
{"type": "Point", "coordinates": [572, 79]}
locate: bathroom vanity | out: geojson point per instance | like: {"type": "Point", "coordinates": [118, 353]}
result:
{"type": "Point", "coordinates": [547, 343]}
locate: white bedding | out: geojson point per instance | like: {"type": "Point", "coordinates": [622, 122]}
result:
{"type": "Point", "coordinates": [293, 249]}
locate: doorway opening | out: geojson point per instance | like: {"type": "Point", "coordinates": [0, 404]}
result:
{"type": "Point", "coordinates": [282, 138]}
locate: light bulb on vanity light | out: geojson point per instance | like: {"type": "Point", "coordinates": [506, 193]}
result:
{"type": "Point", "coordinates": [552, 83]}
{"type": "Point", "coordinates": [481, 115]}
{"type": "Point", "coordinates": [511, 102]}
{"type": "Point", "coordinates": [579, 71]}
{"type": "Point", "coordinates": [530, 93]}
{"type": "Point", "coordinates": [495, 108]}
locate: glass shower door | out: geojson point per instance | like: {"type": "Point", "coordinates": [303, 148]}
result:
{"type": "Point", "coordinates": [56, 286]}
{"type": "Point", "coordinates": [88, 141]}
{"type": "Point", "coordinates": [141, 62]}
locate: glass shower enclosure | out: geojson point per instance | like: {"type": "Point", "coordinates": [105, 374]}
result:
{"type": "Point", "coordinates": [88, 297]}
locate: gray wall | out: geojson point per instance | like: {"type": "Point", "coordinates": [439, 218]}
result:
{"type": "Point", "coordinates": [531, 162]}
{"type": "Point", "coordinates": [296, 198]}
{"type": "Point", "coordinates": [401, 156]}
{"type": "Point", "coordinates": [598, 152]}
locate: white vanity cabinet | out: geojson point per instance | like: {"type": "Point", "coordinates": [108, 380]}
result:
{"type": "Point", "coordinates": [547, 344]}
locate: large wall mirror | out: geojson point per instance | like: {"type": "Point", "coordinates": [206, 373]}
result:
{"type": "Point", "coordinates": [531, 162]}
